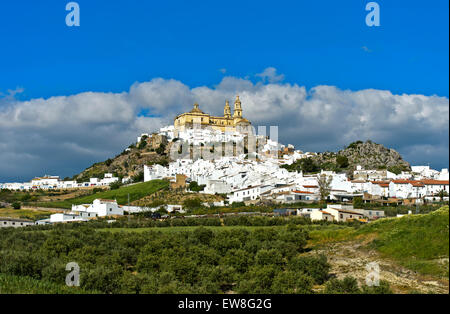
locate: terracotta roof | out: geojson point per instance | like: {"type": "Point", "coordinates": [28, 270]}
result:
{"type": "Point", "coordinates": [310, 186]}
{"type": "Point", "coordinates": [303, 192]}
{"type": "Point", "coordinates": [380, 182]}
{"type": "Point", "coordinates": [435, 182]}
{"type": "Point", "coordinates": [421, 182]}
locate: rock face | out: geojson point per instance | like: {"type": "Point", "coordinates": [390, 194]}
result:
{"type": "Point", "coordinates": [369, 155]}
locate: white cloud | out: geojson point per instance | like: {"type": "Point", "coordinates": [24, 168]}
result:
{"type": "Point", "coordinates": [270, 75]}
{"type": "Point", "coordinates": [63, 135]}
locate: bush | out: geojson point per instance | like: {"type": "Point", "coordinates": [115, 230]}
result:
{"type": "Point", "coordinates": [358, 202]}
{"type": "Point", "coordinates": [192, 203]}
{"type": "Point", "coordinates": [348, 285]}
{"type": "Point", "coordinates": [139, 177]}
{"type": "Point", "coordinates": [115, 185]}
{"type": "Point", "coordinates": [16, 205]}
{"type": "Point", "coordinates": [194, 187]}
{"type": "Point", "coordinates": [315, 267]}
{"type": "Point", "coordinates": [342, 161]}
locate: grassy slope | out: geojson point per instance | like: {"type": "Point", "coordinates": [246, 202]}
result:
{"type": "Point", "coordinates": [136, 191]}
{"type": "Point", "coordinates": [23, 213]}
{"type": "Point", "coordinates": [419, 242]}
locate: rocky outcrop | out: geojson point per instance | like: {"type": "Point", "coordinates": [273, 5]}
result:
{"type": "Point", "coordinates": [368, 154]}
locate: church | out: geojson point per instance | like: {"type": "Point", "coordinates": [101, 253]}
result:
{"type": "Point", "coordinates": [229, 122]}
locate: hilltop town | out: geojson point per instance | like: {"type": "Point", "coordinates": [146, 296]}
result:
{"type": "Point", "coordinates": [224, 157]}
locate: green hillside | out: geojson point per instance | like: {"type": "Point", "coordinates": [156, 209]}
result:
{"type": "Point", "coordinates": [419, 242]}
{"type": "Point", "coordinates": [136, 191]}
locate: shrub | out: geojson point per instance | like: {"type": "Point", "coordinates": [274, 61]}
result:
{"type": "Point", "coordinates": [115, 185]}
{"type": "Point", "coordinates": [342, 161]}
{"type": "Point", "coordinates": [348, 285]}
{"type": "Point", "coordinates": [358, 202]}
{"type": "Point", "coordinates": [192, 203]}
{"type": "Point", "coordinates": [16, 205]}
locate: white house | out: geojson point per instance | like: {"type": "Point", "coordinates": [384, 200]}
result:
{"type": "Point", "coordinates": [379, 188]}
{"type": "Point", "coordinates": [321, 215]}
{"type": "Point", "coordinates": [343, 212]}
{"type": "Point", "coordinates": [217, 187]}
{"type": "Point", "coordinates": [248, 194]}
{"type": "Point", "coordinates": [100, 208]}
{"type": "Point", "coordinates": [63, 218]}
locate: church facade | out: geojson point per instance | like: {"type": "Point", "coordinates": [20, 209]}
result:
{"type": "Point", "coordinates": [231, 122]}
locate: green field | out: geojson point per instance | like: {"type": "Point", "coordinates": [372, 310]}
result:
{"type": "Point", "coordinates": [24, 213]}
{"type": "Point", "coordinates": [136, 191]}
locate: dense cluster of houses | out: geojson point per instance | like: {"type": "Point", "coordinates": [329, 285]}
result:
{"type": "Point", "coordinates": [250, 180]}
{"type": "Point", "coordinates": [254, 180]}
{"type": "Point", "coordinates": [48, 182]}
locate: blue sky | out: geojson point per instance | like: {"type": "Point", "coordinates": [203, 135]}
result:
{"type": "Point", "coordinates": [311, 42]}
{"type": "Point", "coordinates": [199, 43]}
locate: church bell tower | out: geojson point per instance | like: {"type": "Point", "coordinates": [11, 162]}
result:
{"type": "Point", "coordinates": [237, 108]}
{"type": "Point", "coordinates": [227, 110]}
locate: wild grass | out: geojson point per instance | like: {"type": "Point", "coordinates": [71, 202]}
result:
{"type": "Point", "coordinates": [419, 242]}
{"type": "Point", "coordinates": [10, 284]}
{"type": "Point", "coordinates": [24, 213]}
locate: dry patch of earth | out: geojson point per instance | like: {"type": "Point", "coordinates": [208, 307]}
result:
{"type": "Point", "coordinates": [350, 258]}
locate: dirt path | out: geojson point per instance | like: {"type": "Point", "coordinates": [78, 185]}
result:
{"type": "Point", "coordinates": [351, 257]}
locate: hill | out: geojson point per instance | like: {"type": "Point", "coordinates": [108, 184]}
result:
{"type": "Point", "coordinates": [418, 242]}
{"type": "Point", "coordinates": [130, 163]}
{"type": "Point", "coordinates": [367, 154]}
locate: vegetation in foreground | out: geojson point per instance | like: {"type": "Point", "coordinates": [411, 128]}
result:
{"type": "Point", "coordinates": [10, 284]}
{"type": "Point", "coordinates": [241, 255]}
{"type": "Point", "coordinates": [242, 259]}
